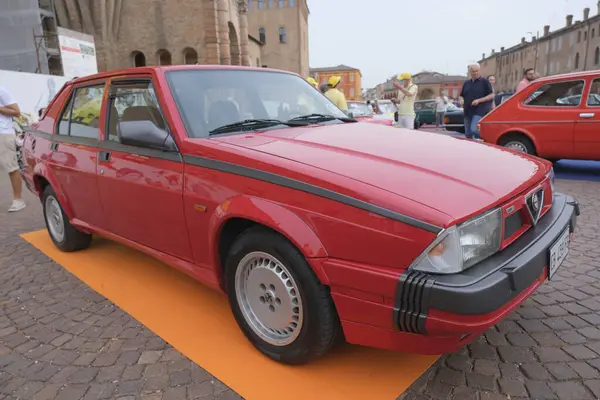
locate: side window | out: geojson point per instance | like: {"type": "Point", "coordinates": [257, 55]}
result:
{"type": "Point", "coordinates": [85, 115]}
{"type": "Point", "coordinates": [559, 94]}
{"type": "Point", "coordinates": [133, 106]}
{"type": "Point", "coordinates": [63, 125]}
{"type": "Point", "coordinates": [593, 99]}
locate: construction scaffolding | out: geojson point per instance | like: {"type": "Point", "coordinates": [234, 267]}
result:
{"type": "Point", "coordinates": [29, 42]}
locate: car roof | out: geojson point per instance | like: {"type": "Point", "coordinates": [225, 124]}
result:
{"type": "Point", "coordinates": [571, 75]}
{"type": "Point", "coordinates": [149, 70]}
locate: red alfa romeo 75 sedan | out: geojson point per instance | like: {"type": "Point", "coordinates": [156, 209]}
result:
{"type": "Point", "coordinates": [316, 227]}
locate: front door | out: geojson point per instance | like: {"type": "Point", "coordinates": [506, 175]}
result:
{"type": "Point", "coordinates": [141, 189]}
{"type": "Point", "coordinates": [73, 152]}
{"type": "Point", "coordinates": [587, 129]}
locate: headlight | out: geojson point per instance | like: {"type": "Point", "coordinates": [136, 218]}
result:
{"type": "Point", "coordinates": [550, 175]}
{"type": "Point", "coordinates": [462, 246]}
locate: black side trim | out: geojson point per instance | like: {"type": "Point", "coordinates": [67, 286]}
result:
{"type": "Point", "coordinates": [249, 173]}
{"type": "Point", "coordinates": [307, 188]}
{"type": "Point", "coordinates": [110, 145]}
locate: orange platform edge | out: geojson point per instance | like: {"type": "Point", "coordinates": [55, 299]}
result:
{"type": "Point", "coordinates": [197, 322]}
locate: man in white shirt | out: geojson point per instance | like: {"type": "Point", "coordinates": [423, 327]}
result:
{"type": "Point", "coordinates": [441, 105]}
{"type": "Point", "coordinates": [8, 146]}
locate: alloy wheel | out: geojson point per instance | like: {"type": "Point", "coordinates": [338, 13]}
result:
{"type": "Point", "coordinates": [54, 218]}
{"type": "Point", "coordinates": [269, 298]}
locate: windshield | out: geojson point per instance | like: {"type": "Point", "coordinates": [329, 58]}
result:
{"type": "Point", "coordinates": [359, 109]}
{"type": "Point", "coordinates": [211, 98]}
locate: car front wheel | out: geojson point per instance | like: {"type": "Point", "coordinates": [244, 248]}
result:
{"type": "Point", "coordinates": [64, 235]}
{"type": "Point", "coordinates": [277, 300]}
{"type": "Point", "coordinates": [519, 143]}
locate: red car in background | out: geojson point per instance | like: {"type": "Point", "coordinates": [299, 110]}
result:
{"type": "Point", "coordinates": [361, 112]}
{"type": "Point", "coordinates": [316, 227]}
{"type": "Point", "coordinates": [555, 117]}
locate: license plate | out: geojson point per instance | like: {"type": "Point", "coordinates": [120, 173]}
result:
{"type": "Point", "coordinates": [558, 252]}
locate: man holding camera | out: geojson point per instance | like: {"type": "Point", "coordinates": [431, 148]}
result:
{"type": "Point", "coordinates": [405, 103]}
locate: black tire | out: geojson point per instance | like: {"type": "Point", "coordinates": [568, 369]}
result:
{"type": "Point", "coordinates": [73, 239]}
{"type": "Point", "coordinates": [320, 329]}
{"type": "Point", "coordinates": [520, 139]}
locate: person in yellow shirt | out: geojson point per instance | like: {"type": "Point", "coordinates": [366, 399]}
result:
{"type": "Point", "coordinates": [405, 103]}
{"type": "Point", "coordinates": [334, 94]}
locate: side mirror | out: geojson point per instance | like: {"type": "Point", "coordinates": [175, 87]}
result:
{"type": "Point", "coordinates": [145, 134]}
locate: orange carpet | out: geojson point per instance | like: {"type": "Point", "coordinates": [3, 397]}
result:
{"type": "Point", "coordinates": [198, 322]}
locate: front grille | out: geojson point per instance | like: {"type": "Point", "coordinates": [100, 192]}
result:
{"type": "Point", "coordinates": [512, 224]}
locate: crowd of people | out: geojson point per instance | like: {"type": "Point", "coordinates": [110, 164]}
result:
{"type": "Point", "coordinates": [477, 98]}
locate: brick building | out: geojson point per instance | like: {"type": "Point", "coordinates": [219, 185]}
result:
{"type": "Point", "coordinates": [351, 84]}
{"type": "Point", "coordinates": [165, 32]}
{"type": "Point", "coordinates": [281, 26]}
{"type": "Point", "coordinates": [574, 47]}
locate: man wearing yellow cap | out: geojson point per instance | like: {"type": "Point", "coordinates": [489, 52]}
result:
{"type": "Point", "coordinates": [312, 81]}
{"type": "Point", "coordinates": [406, 100]}
{"type": "Point", "coordinates": [334, 94]}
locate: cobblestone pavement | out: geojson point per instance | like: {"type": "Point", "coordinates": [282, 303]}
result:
{"type": "Point", "coordinates": [61, 340]}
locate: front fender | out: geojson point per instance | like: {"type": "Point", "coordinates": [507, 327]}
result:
{"type": "Point", "coordinates": [273, 216]}
{"type": "Point", "coordinates": [42, 171]}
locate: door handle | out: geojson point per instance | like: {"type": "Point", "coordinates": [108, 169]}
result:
{"type": "Point", "coordinates": [54, 146]}
{"type": "Point", "coordinates": [104, 156]}
{"type": "Point", "coordinates": [587, 115]}
{"type": "Point", "coordinates": [33, 142]}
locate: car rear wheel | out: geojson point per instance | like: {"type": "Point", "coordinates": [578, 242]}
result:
{"type": "Point", "coordinates": [64, 235]}
{"type": "Point", "coordinates": [277, 300]}
{"type": "Point", "coordinates": [519, 143]}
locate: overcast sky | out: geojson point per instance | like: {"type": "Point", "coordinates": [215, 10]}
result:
{"type": "Point", "coordinates": [386, 37]}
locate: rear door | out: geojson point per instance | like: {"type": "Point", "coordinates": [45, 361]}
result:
{"type": "Point", "coordinates": [587, 128]}
{"type": "Point", "coordinates": [141, 189]}
{"type": "Point", "coordinates": [74, 149]}
{"type": "Point", "coordinates": [549, 113]}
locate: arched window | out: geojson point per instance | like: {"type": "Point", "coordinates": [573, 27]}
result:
{"type": "Point", "coordinates": [190, 56]}
{"type": "Point", "coordinates": [280, 3]}
{"type": "Point", "coordinates": [584, 35]}
{"type": "Point", "coordinates": [578, 36]}
{"type": "Point", "coordinates": [577, 61]}
{"type": "Point", "coordinates": [282, 35]}
{"type": "Point", "coordinates": [138, 58]}
{"type": "Point", "coordinates": [593, 33]}
{"type": "Point", "coordinates": [597, 56]}
{"type": "Point", "coordinates": [164, 57]}
{"type": "Point", "coordinates": [260, 4]}
{"type": "Point", "coordinates": [262, 36]}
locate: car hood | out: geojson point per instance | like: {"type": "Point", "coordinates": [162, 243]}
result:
{"type": "Point", "coordinates": [453, 176]}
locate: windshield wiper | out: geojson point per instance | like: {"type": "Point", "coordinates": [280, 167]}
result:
{"type": "Point", "coordinates": [315, 118]}
{"type": "Point", "coordinates": [252, 124]}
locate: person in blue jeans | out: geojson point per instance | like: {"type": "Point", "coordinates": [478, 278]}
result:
{"type": "Point", "coordinates": [477, 96]}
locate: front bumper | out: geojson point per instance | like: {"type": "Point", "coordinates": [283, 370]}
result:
{"type": "Point", "coordinates": [488, 290]}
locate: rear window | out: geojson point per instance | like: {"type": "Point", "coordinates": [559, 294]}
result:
{"type": "Point", "coordinates": [557, 94]}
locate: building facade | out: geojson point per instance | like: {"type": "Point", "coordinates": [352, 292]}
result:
{"type": "Point", "coordinates": [29, 42]}
{"type": "Point", "coordinates": [282, 28]}
{"type": "Point", "coordinates": [431, 84]}
{"type": "Point", "coordinates": [574, 47]}
{"type": "Point", "coordinates": [161, 32]}
{"type": "Point", "coordinates": [351, 83]}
